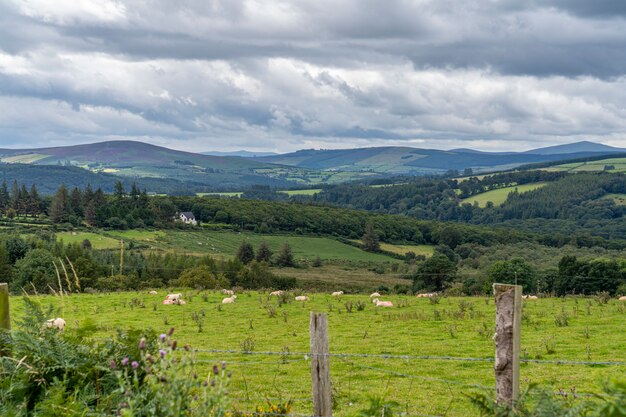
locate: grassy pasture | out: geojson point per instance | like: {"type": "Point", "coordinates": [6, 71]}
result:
{"type": "Point", "coordinates": [425, 250]}
{"type": "Point", "coordinates": [225, 244]}
{"type": "Point", "coordinates": [618, 163]}
{"type": "Point", "coordinates": [456, 327]}
{"type": "Point", "coordinates": [98, 241]}
{"type": "Point", "coordinates": [619, 199]}
{"type": "Point", "coordinates": [499, 196]}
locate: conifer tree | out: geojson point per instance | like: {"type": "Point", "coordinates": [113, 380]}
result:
{"type": "Point", "coordinates": [60, 206]}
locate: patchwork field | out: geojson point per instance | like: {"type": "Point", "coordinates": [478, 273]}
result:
{"type": "Point", "coordinates": [98, 241]}
{"type": "Point", "coordinates": [499, 196]}
{"type": "Point", "coordinates": [619, 199]}
{"type": "Point", "coordinates": [615, 165]}
{"type": "Point", "coordinates": [572, 329]}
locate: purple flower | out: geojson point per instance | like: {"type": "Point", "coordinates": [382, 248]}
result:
{"type": "Point", "coordinates": [215, 370]}
{"type": "Point", "coordinates": [142, 343]}
{"type": "Point", "coordinates": [112, 364]}
{"type": "Point", "coordinates": [135, 364]}
{"type": "Point", "coordinates": [163, 336]}
{"type": "Point", "coordinates": [162, 353]}
{"type": "Point", "coordinates": [125, 361]}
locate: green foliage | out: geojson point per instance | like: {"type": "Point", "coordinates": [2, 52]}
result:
{"type": "Point", "coordinates": [245, 253]}
{"type": "Point", "coordinates": [514, 271]}
{"type": "Point", "coordinates": [370, 239]}
{"type": "Point", "coordinates": [539, 402]}
{"type": "Point", "coordinates": [264, 253]}
{"type": "Point", "coordinates": [35, 268]}
{"type": "Point", "coordinates": [435, 273]}
{"type": "Point", "coordinates": [285, 256]}
{"type": "Point", "coordinates": [380, 407]}
{"type": "Point", "coordinates": [202, 277]}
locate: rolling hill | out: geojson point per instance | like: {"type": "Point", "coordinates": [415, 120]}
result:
{"type": "Point", "coordinates": [141, 160]}
{"type": "Point", "coordinates": [414, 161]}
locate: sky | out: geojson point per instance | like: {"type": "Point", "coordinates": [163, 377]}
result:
{"type": "Point", "coordinates": [275, 75]}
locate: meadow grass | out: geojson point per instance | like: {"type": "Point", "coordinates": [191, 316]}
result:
{"type": "Point", "coordinates": [499, 196]}
{"type": "Point", "coordinates": [426, 250]}
{"type": "Point", "coordinates": [456, 327]}
{"type": "Point", "coordinates": [225, 244]}
{"type": "Point", "coordinates": [98, 241]}
{"type": "Point", "coordinates": [589, 166]}
{"type": "Point", "coordinates": [619, 199]}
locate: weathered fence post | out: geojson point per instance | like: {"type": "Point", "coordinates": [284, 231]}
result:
{"type": "Point", "coordinates": [320, 366]}
{"type": "Point", "coordinates": [5, 321]}
{"type": "Point", "coordinates": [507, 337]}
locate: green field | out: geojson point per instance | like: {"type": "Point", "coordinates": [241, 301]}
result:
{"type": "Point", "coordinates": [311, 191]}
{"type": "Point", "coordinates": [29, 158]}
{"type": "Point", "coordinates": [456, 327]}
{"type": "Point", "coordinates": [499, 196]}
{"type": "Point", "coordinates": [619, 165]}
{"type": "Point", "coordinates": [425, 250]}
{"type": "Point", "coordinates": [225, 244]}
{"type": "Point", "coordinates": [98, 241]}
{"type": "Point", "coordinates": [619, 199]}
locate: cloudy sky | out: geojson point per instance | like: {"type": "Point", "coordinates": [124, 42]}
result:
{"type": "Point", "coordinates": [284, 75]}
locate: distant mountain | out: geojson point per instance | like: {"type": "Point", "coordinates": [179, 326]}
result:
{"type": "Point", "coordinates": [242, 153]}
{"type": "Point", "coordinates": [577, 147]}
{"type": "Point", "coordinates": [414, 161]}
{"type": "Point", "coordinates": [142, 160]}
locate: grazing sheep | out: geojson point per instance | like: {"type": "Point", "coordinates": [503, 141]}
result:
{"type": "Point", "coordinates": [174, 297]}
{"type": "Point", "coordinates": [57, 323]}
{"type": "Point", "coordinates": [426, 295]}
{"type": "Point", "coordinates": [622, 298]}
{"type": "Point", "coordinates": [530, 297]}
{"type": "Point", "coordinates": [374, 294]}
{"type": "Point", "coordinates": [277, 293]}
{"type": "Point", "coordinates": [166, 301]}
{"type": "Point", "coordinates": [229, 300]}
{"type": "Point", "coordinates": [302, 298]}
{"type": "Point", "coordinates": [152, 292]}
{"type": "Point", "coordinates": [375, 300]}
{"type": "Point", "coordinates": [337, 293]}
{"type": "Point", "coordinates": [228, 292]}
{"type": "Point", "coordinates": [181, 302]}
{"type": "Point", "coordinates": [384, 304]}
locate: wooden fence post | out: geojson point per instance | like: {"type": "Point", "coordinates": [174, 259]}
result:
{"type": "Point", "coordinates": [507, 337]}
{"type": "Point", "coordinates": [320, 366]}
{"type": "Point", "coordinates": [5, 321]}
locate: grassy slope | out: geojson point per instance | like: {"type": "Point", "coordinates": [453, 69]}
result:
{"type": "Point", "coordinates": [411, 328]}
{"type": "Point", "coordinates": [619, 199]}
{"type": "Point", "coordinates": [224, 244]}
{"type": "Point", "coordinates": [619, 163]}
{"type": "Point", "coordinates": [499, 196]}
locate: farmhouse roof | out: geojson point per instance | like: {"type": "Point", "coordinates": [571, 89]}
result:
{"type": "Point", "coordinates": [188, 214]}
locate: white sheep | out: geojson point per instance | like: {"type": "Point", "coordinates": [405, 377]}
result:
{"type": "Point", "coordinates": [229, 300]}
{"type": "Point", "coordinates": [174, 297]}
{"type": "Point", "coordinates": [622, 298]}
{"type": "Point", "coordinates": [337, 293]}
{"type": "Point", "coordinates": [277, 293]}
{"type": "Point", "coordinates": [302, 298]}
{"type": "Point", "coordinates": [530, 297]}
{"type": "Point", "coordinates": [374, 294]}
{"type": "Point", "coordinates": [426, 295]}
{"type": "Point", "coordinates": [152, 292]}
{"type": "Point", "coordinates": [57, 323]}
{"type": "Point", "coordinates": [384, 303]}
{"type": "Point", "coordinates": [228, 292]}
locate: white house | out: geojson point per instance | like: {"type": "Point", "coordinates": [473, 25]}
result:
{"type": "Point", "coordinates": [188, 218]}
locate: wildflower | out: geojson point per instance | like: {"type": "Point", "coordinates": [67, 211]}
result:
{"type": "Point", "coordinates": [215, 370]}
{"type": "Point", "coordinates": [162, 353]}
{"type": "Point", "coordinates": [142, 343]}
{"type": "Point", "coordinates": [135, 364]}
{"type": "Point", "coordinates": [125, 361]}
{"type": "Point", "coordinates": [163, 336]}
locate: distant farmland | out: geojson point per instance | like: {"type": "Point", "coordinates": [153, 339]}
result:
{"type": "Point", "coordinates": [499, 196]}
